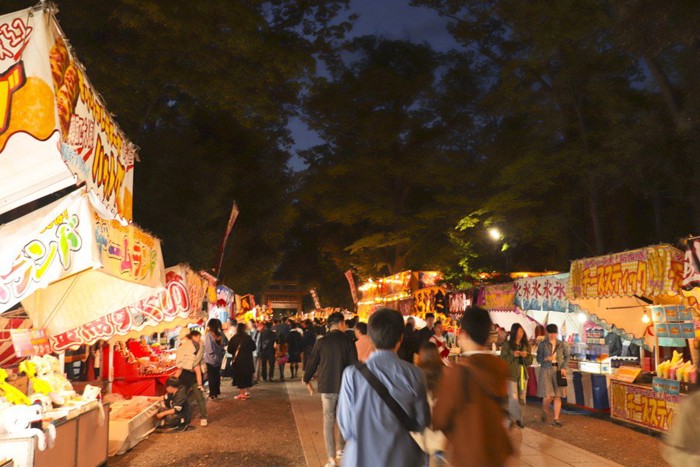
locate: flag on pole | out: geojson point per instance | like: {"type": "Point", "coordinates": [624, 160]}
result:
{"type": "Point", "coordinates": [229, 227]}
{"type": "Point", "coordinates": [351, 282]}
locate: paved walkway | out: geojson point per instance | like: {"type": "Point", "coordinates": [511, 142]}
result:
{"type": "Point", "coordinates": [535, 449]}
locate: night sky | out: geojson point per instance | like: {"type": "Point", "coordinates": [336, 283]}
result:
{"type": "Point", "coordinates": [392, 19]}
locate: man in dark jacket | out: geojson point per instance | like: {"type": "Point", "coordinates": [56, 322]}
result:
{"type": "Point", "coordinates": [409, 344]}
{"type": "Point", "coordinates": [308, 341]}
{"type": "Point", "coordinates": [331, 355]}
{"type": "Point", "coordinates": [429, 330]}
{"type": "Point", "coordinates": [266, 352]}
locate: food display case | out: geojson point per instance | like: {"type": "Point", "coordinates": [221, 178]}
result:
{"type": "Point", "coordinates": [131, 421]}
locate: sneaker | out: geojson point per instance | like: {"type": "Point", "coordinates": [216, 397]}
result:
{"type": "Point", "coordinates": [203, 422]}
{"type": "Point", "coordinates": [556, 422]}
{"type": "Point", "coordinates": [240, 397]}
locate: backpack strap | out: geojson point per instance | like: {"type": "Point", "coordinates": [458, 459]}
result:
{"type": "Point", "coordinates": [406, 421]}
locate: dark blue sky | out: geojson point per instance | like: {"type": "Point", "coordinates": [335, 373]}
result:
{"type": "Point", "coordinates": [392, 19]}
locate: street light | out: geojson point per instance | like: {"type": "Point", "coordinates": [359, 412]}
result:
{"type": "Point", "coordinates": [495, 234]}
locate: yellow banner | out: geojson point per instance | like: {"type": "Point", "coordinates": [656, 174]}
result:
{"type": "Point", "coordinates": [648, 272]}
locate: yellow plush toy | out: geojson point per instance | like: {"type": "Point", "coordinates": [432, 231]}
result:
{"type": "Point", "coordinates": [38, 385]}
{"type": "Point", "coordinates": [11, 393]}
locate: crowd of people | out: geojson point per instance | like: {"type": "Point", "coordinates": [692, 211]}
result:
{"type": "Point", "coordinates": [393, 392]}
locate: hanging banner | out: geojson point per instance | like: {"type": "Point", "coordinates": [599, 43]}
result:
{"type": "Point", "coordinates": [53, 242]}
{"type": "Point", "coordinates": [172, 302]}
{"type": "Point", "coordinates": [94, 147]}
{"type": "Point", "coordinates": [430, 300]}
{"type": "Point", "coordinates": [30, 156]}
{"type": "Point", "coordinates": [127, 252]}
{"type": "Point", "coordinates": [499, 297]}
{"type": "Point", "coordinates": [314, 295]}
{"type": "Point", "coordinates": [458, 302]}
{"type": "Point", "coordinates": [351, 283]}
{"type": "Point", "coordinates": [546, 293]}
{"type": "Point", "coordinates": [691, 264]}
{"type": "Point", "coordinates": [647, 272]}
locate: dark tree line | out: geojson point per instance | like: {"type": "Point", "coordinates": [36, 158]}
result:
{"type": "Point", "coordinates": [572, 126]}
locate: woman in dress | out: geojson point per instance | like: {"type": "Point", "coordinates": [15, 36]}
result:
{"type": "Point", "coordinates": [214, 350]}
{"type": "Point", "coordinates": [553, 357]}
{"type": "Point", "coordinates": [241, 347]}
{"type": "Point", "coordinates": [516, 352]}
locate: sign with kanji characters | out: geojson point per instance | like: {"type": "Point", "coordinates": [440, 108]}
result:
{"type": "Point", "coordinates": [647, 272]}
{"type": "Point", "coordinates": [641, 406]}
{"type": "Point", "coordinates": [174, 301]}
{"type": "Point", "coordinates": [28, 342]}
{"type": "Point", "coordinates": [546, 293]}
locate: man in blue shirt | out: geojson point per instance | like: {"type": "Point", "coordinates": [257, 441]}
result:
{"type": "Point", "coordinates": [373, 434]}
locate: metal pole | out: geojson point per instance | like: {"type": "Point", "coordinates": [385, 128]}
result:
{"type": "Point", "coordinates": [110, 369]}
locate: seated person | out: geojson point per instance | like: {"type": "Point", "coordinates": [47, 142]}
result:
{"type": "Point", "coordinates": [176, 413]}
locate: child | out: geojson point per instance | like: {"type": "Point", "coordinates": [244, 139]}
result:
{"type": "Point", "coordinates": [282, 355]}
{"type": "Point", "coordinates": [176, 413]}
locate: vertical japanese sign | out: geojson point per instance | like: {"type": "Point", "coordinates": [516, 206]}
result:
{"type": "Point", "coordinates": [94, 147]}
{"type": "Point", "coordinates": [351, 283]}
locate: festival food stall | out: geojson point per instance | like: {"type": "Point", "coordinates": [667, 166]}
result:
{"type": "Point", "coordinates": [620, 293]}
{"type": "Point", "coordinates": [409, 292]}
{"type": "Point", "coordinates": [56, 132]}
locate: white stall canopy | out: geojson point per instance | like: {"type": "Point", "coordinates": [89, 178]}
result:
{"type": "Point", "coordinates": [68, 265]}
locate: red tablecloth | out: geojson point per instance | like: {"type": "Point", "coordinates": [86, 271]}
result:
{"type": "Point", "coordinates": [152, 385]}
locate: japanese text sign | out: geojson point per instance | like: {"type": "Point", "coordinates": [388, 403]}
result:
{"type": "Point", "coordinates": [641, 406]}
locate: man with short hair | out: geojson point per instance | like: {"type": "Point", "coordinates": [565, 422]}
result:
{"type": "Point", "coordinates": [266, 352]}
{"type": "Point", "coordinates": [330, 356]}
{"type": "Point", "coordinates": [428, 331]}
{"type": "Point", "coordinates": [471, 396]}
{"type": "Point", "coordinates": [362, 342]}
{"type": "Point", "coordinates": [374, 433]}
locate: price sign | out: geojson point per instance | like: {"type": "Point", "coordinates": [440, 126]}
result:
{"type": "Point", "coordinates": [627, 374]}
{"type": "Point", "coordinates": [28, 342]}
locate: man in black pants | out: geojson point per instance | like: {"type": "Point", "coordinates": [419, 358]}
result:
{"type": "Point", "coordinates": [267, 351]}
{"type": "Point", "coordinates": [331, 355]}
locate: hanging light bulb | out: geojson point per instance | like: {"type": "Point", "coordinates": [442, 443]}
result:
{"type": "Point", "coordinates": [582, 317]}
{"type": "Point", "coordinates": [645, 317]}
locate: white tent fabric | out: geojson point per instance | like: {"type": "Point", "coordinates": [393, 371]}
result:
{"type": "Point", "coordinates": [568, 322]}
{"type": "Point", "coordinates": [506, 319]}
{"type": "Point", "coordinates": [68, 265]}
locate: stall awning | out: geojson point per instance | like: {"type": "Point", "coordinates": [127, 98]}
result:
{"type": "Point", "coordinates": [54, 128]}
{"type": "Point", "coordinates": [506, 319]}
{"type": "Point", "coordinates": [68, 265]}
{"type": "Point", "coordinates": [178, 304]}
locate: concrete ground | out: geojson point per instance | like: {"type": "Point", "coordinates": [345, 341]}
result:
{"type": "Point", "coordinates": [282, 426]}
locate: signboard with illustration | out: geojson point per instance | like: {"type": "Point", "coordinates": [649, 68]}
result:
{"type": "Point", "coordinates": [647, 272]}
{"type": "Point", "coordinates": [172, 302]}
{"type": "Point", "coordinates": [54, 128]}
{"type": "Point", "coordinates": [28, 342]}
{"type": "Point", "coordinates": [499, 297]}
{"type": "Point", "coordinates": [642, 406]}
{"type": "Point", "coordinates": [69, 237]}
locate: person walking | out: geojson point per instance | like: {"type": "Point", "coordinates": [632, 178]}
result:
{"type": "Point", "coordinates": [471, 396]}
{"type": "Point", "coordinates": [362, 342]}
{"type": "Point", "coordinates": [214, 351]}
{"type": "Point", "coordinates": [282, 355]}
{"type": "Point", "coordinates": [331, 355]}
{"type": "Point", "coordinates": [516, 353]}
{"type": "Point", "coordinates": [295, 347]}
{"type": "Point", "coordinates": [376, 433]}
{"type": "Point", "coordinates": [267, 352]}
{"type": "Point", "coordinates": [553, 357]}
{"type": "Point", "coordinates": [308, 341]}
{"type": "Point", "coordinates": [241, 347]}
{"type": "Point", "coordinates": [410, 342]}
{"type": "Point", "coordinates": [439, 340]}
{"type": "Point", "coordinates": [434, 441]}
{"type": "Point", "coordinates": [254, 333]}
{"type": "Point", "coordinates": [428, 330]}
{"type": "Point", "coordinates": [188, 360]}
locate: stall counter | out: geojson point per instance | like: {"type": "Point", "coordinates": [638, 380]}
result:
{"type": "Point", "coordinates": [639, 405]}
{"type": "Point", "coordinates": [132, 421]}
